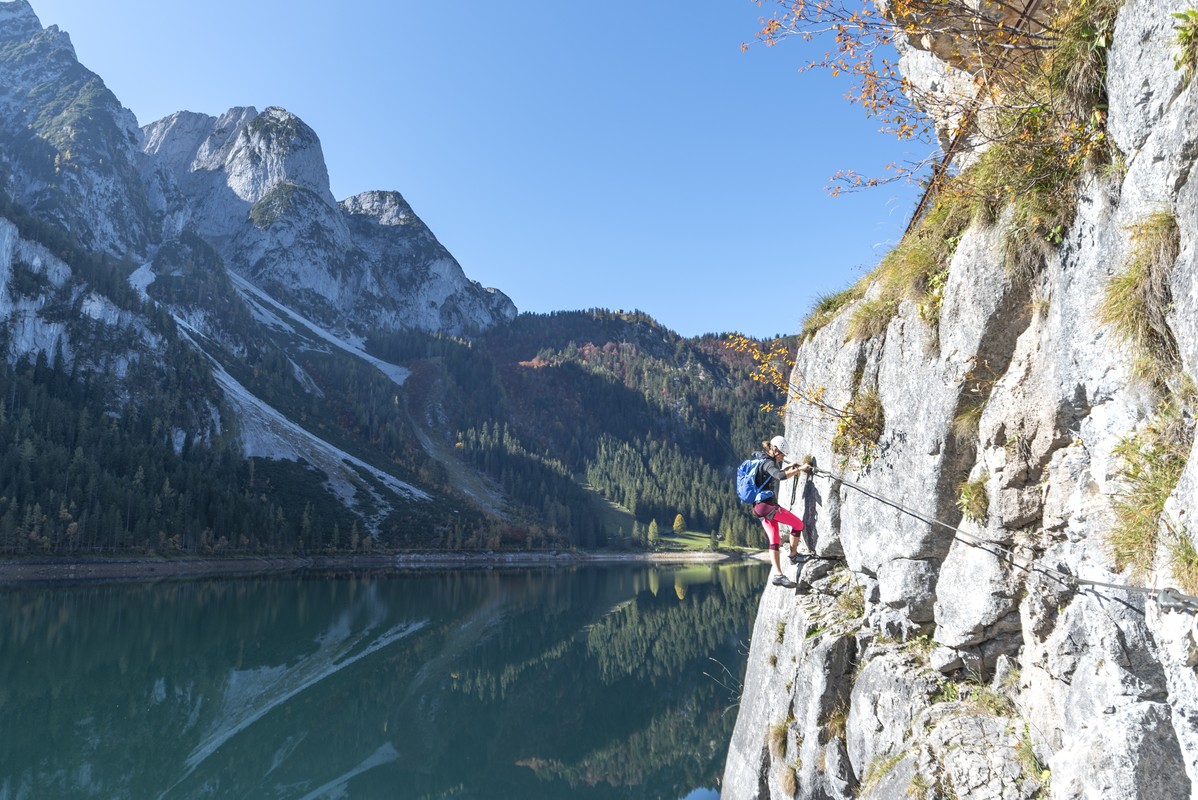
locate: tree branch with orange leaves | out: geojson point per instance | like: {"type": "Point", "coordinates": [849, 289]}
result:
{"type": "Point", "coordinates": [858, 424]}
{"type": "Point", "coordinates": [1003, 48]}
{"type": "Point", "coordinates": [773, 365]}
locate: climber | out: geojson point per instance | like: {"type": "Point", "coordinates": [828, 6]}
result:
{"type": "Point", "coordinates": [769, 473]}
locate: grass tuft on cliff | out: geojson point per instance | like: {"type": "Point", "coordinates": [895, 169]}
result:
{"type": "Point", "coordinates": [776, 738]}
{"type": "Point", "coordinates": [836, 722]}
{"type": "Point", "coordinates": [1186, 60]}
{"type": "Point", "coordinates": [1153, 460]}
{"type": "Point", "coordinates": [850, 597]}
{"type": "Point", "coordinates": [788, 780]}
{"type": "Point", "coordinates": [860, 429]}
{"type": "Point", "coordinates": [916, 270]}
{"type": "Point", "coordinates": [969, 416]}
{"type": "Point", "coordinates": [826, 308]}
{"type": "Point", "coordinates": [878, 769]}
{"type": "Point", "coordinates": [974, 500]}
{"type": "Point", "coordinates": [1183, 560]}
{"type": "Point", "coordinates": [1040, 126]}
{"type": "Point", "coordinates": [1136, 305]}
{"type": "Point", "coordinates": [1048, 129]}
{"type": "Point", "coordinates": [1076, 65]}
{"type": "Point", "coordinates": [1137, 300]}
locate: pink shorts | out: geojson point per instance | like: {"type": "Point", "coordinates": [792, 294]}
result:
{"type": "Point", "coordinates": [771, 514]}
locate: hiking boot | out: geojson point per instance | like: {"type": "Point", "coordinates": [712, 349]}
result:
{"type": "Point", "coordinates": [782, 580]}
{"type": "Point", "coordinates": [799, 558]}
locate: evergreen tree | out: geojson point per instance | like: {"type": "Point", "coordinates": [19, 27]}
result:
{"type": "Point", "coordinates": [615, 406]}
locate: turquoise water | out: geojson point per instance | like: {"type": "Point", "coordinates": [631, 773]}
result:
{"type": "Point", "coordinates": [598, 682]}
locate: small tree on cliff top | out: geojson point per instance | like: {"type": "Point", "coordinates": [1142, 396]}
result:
{"type": "Point", "coordinates": [1037, 69]}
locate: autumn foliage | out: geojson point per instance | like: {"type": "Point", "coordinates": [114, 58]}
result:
{"type": "Point", "coordinates": [773, 365]}
{"type": "Point", "coordinates": [858, 423]}
{"type": "Point", "coordinates": [1018, 116]}
{"type": "Point", "coordinates": [1027, 73]}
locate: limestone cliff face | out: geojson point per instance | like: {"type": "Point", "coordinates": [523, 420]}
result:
{"type": "Point", "coordinates": [1081, 692]}
{"type": "Point", "coordinates": [70, 149]}
{"type": "Point", "coordinates": [256, 186]}
{"type": "Point", "coordinates": [253, 184]}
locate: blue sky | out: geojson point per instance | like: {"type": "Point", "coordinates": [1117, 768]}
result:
{"type": "Point", "coordinates": [622, 154]}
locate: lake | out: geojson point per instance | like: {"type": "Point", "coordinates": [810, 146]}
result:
{"type": "Point", "coordinates": [582, 682]}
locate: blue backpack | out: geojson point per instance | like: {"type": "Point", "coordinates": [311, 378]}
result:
{"type": "Point", "coordinates": [747, 490]}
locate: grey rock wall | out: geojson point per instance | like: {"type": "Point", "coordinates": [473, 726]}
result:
{"type": "Point", "coordinates": [256, 186]}
{"type": "Point", "coordinates": [253, 184]}
{"type": "Point", "coordinates": [980, 671]}
{"type": "Point", "coordinates": [70, 147]}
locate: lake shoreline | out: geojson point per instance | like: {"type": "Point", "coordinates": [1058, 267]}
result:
{"type": "Point", "coordinates": [32, 571]}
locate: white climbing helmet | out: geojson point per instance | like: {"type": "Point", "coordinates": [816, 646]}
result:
{"type": "Point", "coordinates": [780, 443]}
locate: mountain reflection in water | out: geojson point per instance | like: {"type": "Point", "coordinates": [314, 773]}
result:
{"type": "Point", "coordinates": [596, 682]}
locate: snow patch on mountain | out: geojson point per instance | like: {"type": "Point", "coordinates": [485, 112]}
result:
{"type": "Point", "coordinates": [265, 316]}
{"type": "Point", "coordinates": [140, 279]}
{"type": "Point", "coordinates": [249, 291]}
{"type": "Point", "coordinates": [384, 754]}
{"type": "Point", "coordinates": [267, 433]}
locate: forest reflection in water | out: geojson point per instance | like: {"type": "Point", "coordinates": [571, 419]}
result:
{"type": "Point", "coordinates": [594, 682]}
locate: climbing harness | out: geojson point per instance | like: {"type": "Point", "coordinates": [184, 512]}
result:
{"type": "Point", "coordinates": [1168, 599]}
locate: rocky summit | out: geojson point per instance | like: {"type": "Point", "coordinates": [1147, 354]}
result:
{"type": "Point", "coordinates": [255, 184]}
{"type": "Point", "coordinates": [1032, 652]}
{"type": "Point", "coordinates": [252, 184]}
{"type": "Point", "coordinates": [206, 257]}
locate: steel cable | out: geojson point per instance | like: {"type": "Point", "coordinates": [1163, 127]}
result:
{"type": "Point", "coordinates": [1168, 599]}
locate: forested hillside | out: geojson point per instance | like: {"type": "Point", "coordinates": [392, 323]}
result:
{"type": "Point", "coordinates": [550, 404]}
{"type": "Point", "coordinates": [115, 452]}
{"type": "Point", "coordinates": [205, 352]}
{"type": "Point", "coordinates": [112, 449]}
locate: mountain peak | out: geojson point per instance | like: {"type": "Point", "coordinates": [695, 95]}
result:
{"type": "Point", "coordinates": [18, 20]}
{"type": "Point", "coordinates": [388, 207]}
{"type": "Point", "coordinates": [278, 120]}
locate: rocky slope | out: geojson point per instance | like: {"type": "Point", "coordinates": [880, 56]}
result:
{"type": "Point", "coordinates": [931, 667]}
{"type": "Point", "coordinates": [253, 185]}
{"type": "Point", "coordinates": [71, 151]}
{"type": "Point", "coordinates": [219, 235]}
